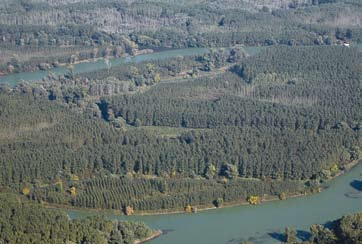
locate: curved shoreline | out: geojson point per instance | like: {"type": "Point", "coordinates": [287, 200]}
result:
{"type": "Point", "coordinates": [81, 61]}
{"type": "Point", "coordinates": [13, 78]}
{"type": "Point", "coordinates": [156, 234]}
{"type": "Point", "coordinates": [266, 199]}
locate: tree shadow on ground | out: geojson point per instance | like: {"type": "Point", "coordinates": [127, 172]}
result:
{"type": "Point", "coordinates": [357, 184]}
{"type": "Point", "coordinates": [277, 236]}
{"type": "Point", "coordinates": [301, 234]}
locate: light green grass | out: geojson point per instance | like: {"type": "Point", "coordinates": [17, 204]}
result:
{"type": "Point", "coordinates": [165, 131]}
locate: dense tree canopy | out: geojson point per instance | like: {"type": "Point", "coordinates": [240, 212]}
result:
{"type": "Point", "coordinates": [233, 123]}
{"type": "Point", "coordinates": [79, 30]}
{"type": "Point", "coordinates": [215, 136]}
{"type": "Point", "coordinates": [30, 223]}
{"type": "Point", "coordinates": [269, 108]}
{"type": "Point", "coordinates": [347, 229]}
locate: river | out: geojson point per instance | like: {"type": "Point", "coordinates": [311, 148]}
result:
{"type": "Point", "coordinates": [84, 67]}
{"type": "Point", "coordinates": [259, 224]}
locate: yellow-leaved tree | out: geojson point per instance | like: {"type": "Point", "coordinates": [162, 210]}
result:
{"type": "Point", "coordinates": [26, 191]}
{"type": "Point", "coordinates": [188, 209]}
{"type": "Point", "coordinates": [254, 200]}
{"type": "Point", "coordinates": [129, 210]}
{"type": "Point", "coordinates": [75, 178]}
{"type": "Point", "coordinates": [73, 191]}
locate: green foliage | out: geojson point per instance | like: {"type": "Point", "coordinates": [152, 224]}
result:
{"type": "Point", "coordinates": [130, 77]}
{"type": "Point", "coordinates": [290, 236]}
{"type": "Point", "coordinates": [24, 222]}
{"type": "Point", "coordinates": [344, 230]}
{"type": "Point", "coordinates": [224, 127]}
{"type": "Point", "coordinates": [155, 194]}
{"type": "Point", "coordinates": [349, 228]}
{"type": "Point", "coordinates": [110, 29]}
{"type": "Point", "coordinates": [219, 202]}
{"type": "Point", "coordinates": [210, 171]}
{"type": "Point", "coordinates": [229, 171]}
{"type": "Point", "coordinates": [322, 235]}
{"type": "Point", "coordinates": [309, 102]}
{"type": "Point", "coordinates": [276, 123]}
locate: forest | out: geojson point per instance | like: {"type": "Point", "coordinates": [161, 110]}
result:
{"type": "Point", "coordinates": [270, 108]}
{"type": "Point", "coordinates": [189, 142]}
{"type": "Point", "coordinates": [27, 223]}
{"type": "Point", "coordinates": [64, 32]}
{"type": "Point", "coordinates": [344, 230]}
{"type": "Point", "coordinates": [74, 88]}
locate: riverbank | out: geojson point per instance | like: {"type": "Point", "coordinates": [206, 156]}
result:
{"type": "Point", "coordinates": [109, 58]}
{"type": "Point", "coordinates": [248, 223]}
{"type": "Point", "coordinates": [156, 234]}
{"type": "Point", "coordinates": [94, 65]}
{"type": "Point", "coordinates": [202, 208]}
{"type": "Point", "coordinates": [265, 199]}
{"type": "Point", "coordinates": [47, 66]}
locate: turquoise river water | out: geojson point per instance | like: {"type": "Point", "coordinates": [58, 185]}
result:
{"type": "Point", "coordinates": [15, 78]}
{"type": "Point", "coordinates": [259, 224]}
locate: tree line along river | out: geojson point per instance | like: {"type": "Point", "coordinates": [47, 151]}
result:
{"type": "Point", "coordinates": [84, 67]}
{"type": "Point", "coordinates": [258, 224]}
{"type": "Point", "coordinates": [100, 64]}
{"type": "Point", "coordinates": [89, 66]}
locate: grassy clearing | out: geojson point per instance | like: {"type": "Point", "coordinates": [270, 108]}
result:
{"type": "Point", "coordinates": [165, 131]}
